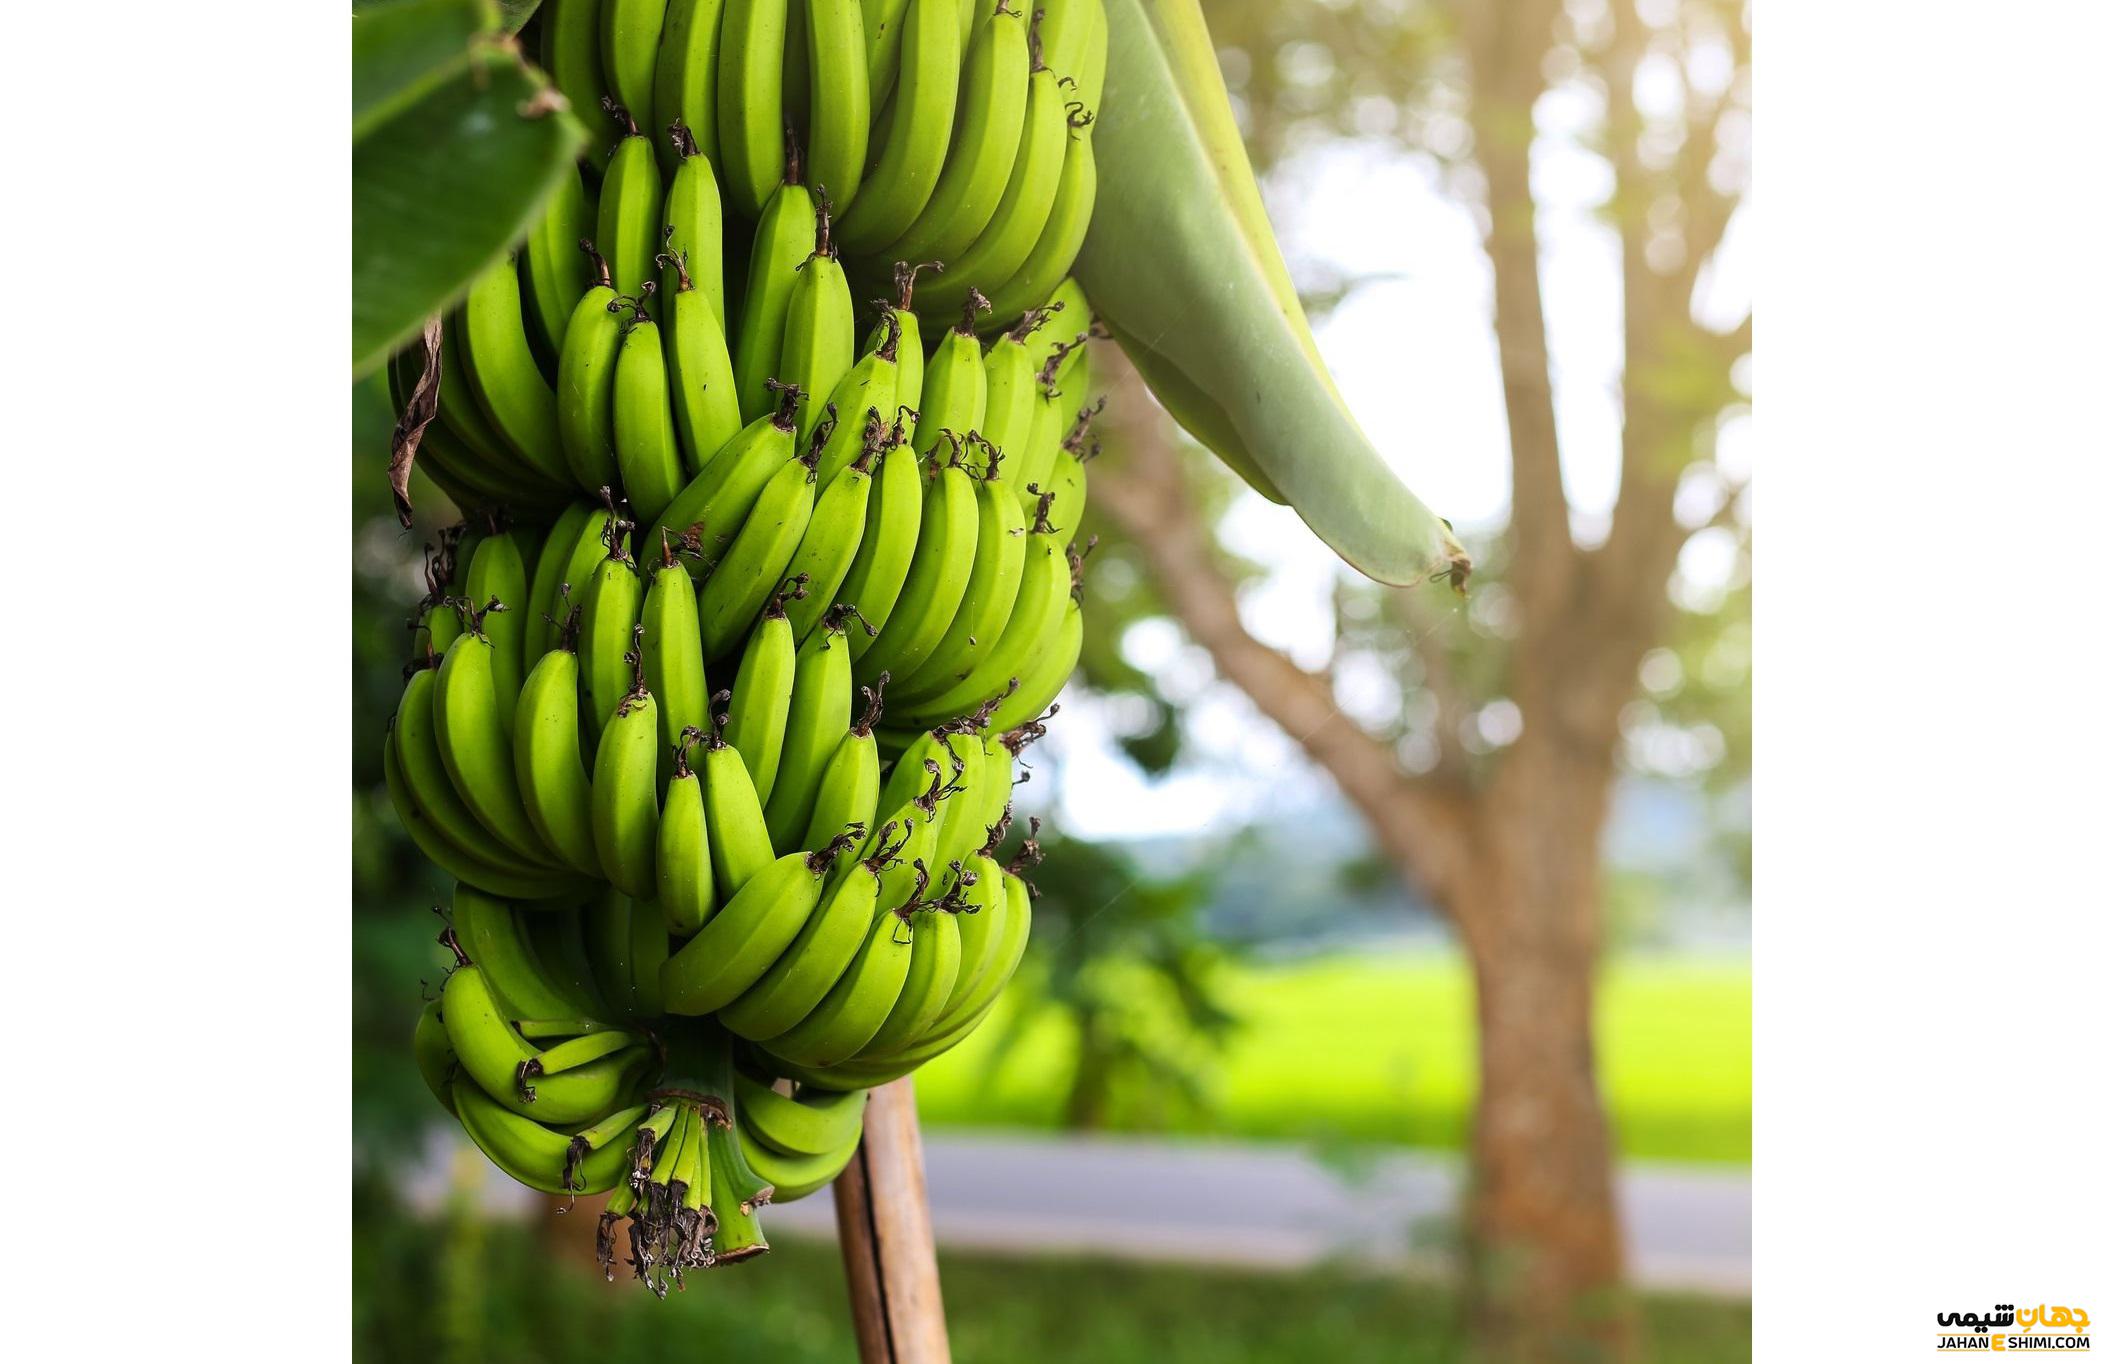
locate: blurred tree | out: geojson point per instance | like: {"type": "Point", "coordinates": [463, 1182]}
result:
{"type": "Point", "coordinates": [1487, 782]}
{"type": "Point", "coordinates": [1122, 958]}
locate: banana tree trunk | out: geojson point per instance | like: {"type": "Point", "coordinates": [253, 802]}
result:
{"type": "Point", "coordinates": [885, 1233]}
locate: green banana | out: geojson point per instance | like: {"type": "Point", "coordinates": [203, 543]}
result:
{"type": "Point", "coordinates": [741, 844]}
{"type": "Point", "coordinates": [672, 657]}
{"type": "Point", "coordinates": [740, 942]}
{"type": "Point", "coordinates": [793, 1177]}
{"type": "Point", "coordinates": [839, 115]}
{"type": "Point", "coordinates": [717, 502]}
{"type": "Point", "coordinates": [508, 1068]}
{"type": "Point", "coordinates": [786, 236]}
{"type": "Point", "coordinates": [608, 620]}
{"type": "Point", "coordinates": [763, 690]}
{"type": "Point", "coordinates": [995, 91]}
{"type": "Point", "coordinates": [548, 761]}
{"type": "Point", "coordinates": [476, 748]}
{"type": "Point", "coordinates": [1051, 258]}
{"type": "Point", "coordinates": [587, 373]}
{"type": "Point", "coordinates": [435, 1059]}
{"type": "Point", "coordinates": [641, 425]}
{"type": "Point", "coordinates": [915, 144]}
{"type": "Point", "coordinates": [936, 956]}
{"type": "Point", "coordinates": [953, 399]}
{"type": "Point", "coordinates": [1069, 484]}
{"type": "Point", "coordinates": [1010, 393]}
{"type": "Point", "coordinates": [851, 782]}
{"type": "Point", "coordinates": [554, 274]}
{"type": "Point", "coordinates": [815, 960]}
{"type": "Point", "coordinates": [562, 595]}
{"type": "Point", "coordinates": [1046, 586]}
{"type": "Point", "coordinates": [628, 214]}
{"type": "Point", "coordinates": [814, 1125]}
{"type": "Point", "coordinates": [686, 77]}
{"type": "Point", "coordinates": [631, 49]}
{"type": "Point", "coordinates": [854, 1008]}
{"type": "Point", "coordinates": [548, 1160]}
{"type": "Point", "coordinates": [545, 609]}
{"type": "Point", "coordinates": [486, 930]}
{"type": "Point", "coordinates": [819, 701]}
{"type": "Point", "coordinates": [472, 864]}
{"type": "Point", "coordinates": [625, 802]}
{"type": "Point", "coordinates": [557, 938]}
{"type": "Point", "coordinates": [751, 572]}
{"type": "Point", "coordinates": [910, 349]}
{"type": "Point", "coordinates": [1024, 204]}
{"type": "Point", "coordinates": [824, 556]}
{"type": "Point", "coordinates": [987, 601]}
{"type": "Point", "coordinates": [701, 374]}
{"type": "Point", "coordinates": [683, 867]}
{"type": "Point", "coordinates": [940, 571]}
{"type": "Point", "coordinates": [816, 348]}
{"type": "Point", "coordinates": [749, 88]}
{"type": "Point", "coordinates": [510, 389]}
{"type": "Point", "coordinates": [1046, 672]}
{"type": "Point", "coordinates": [895, 507]}
{"type": "Point", "coordinates": [498, 589]}
{"type": "Point", "coordinates": [882, 32]}
{"type": "Point", "coordinates": [1047, 430]}
{"type": "Point", "coordinates": [572, 53]}
{"type": "Point", "coordinates": [859, 405]}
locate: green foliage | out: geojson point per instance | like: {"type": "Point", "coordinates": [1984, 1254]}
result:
{"type": "Point", "coordinates": [1119, 964]}
{"type": "Point", "coordinates": [1672, 1038]}
{"type": "Point", "coordinates": [537, 1307]}
{"type": "Point", "coordinates": [439, 102]}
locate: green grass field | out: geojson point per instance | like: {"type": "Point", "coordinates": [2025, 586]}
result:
{"type": "Point", "coordinates": [471, 1292]}
{"type": "Point", "coordinates": [1380, 1048]}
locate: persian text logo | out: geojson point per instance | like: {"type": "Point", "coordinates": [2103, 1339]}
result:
{"type": "Point", "coordinates": [2004, 1327]}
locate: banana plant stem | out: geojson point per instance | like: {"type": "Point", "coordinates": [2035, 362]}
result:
{"type": "Point", "coordinates": [885, 1232]}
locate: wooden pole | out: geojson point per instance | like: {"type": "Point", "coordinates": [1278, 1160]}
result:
{"type": "Point", "coordinates": [885, 1232]}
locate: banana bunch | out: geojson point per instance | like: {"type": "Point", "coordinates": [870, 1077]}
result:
{"type": "Point", "coordinates": [718, 696]}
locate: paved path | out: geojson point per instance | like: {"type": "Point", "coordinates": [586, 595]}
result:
{"type": "Point", "coordinates": [1265, 1206]}
{"type": "Point", "coordinates": [1262, 1206]}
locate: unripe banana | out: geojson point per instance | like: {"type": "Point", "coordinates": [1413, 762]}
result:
{"type": "Point", "coordinates": [608, 619]}
{"type": "Point", "coordinates": [895, 506]}
{"type": "Point", "coordinates": [457, 861]}
{"type": "Point", "coordinates": [820, 699]}
{"type": "Point", "coordinates": [1045, 674]}
{"type": "Point", "coordinates": [572, 53]}
{"type": "Point", "coordinates": [763, 690]}
{"type": "Point", "coordinates": [936, 956]}
{"type": "Point", "coordinates": [860, 406]}
{"type": "Point", "coordinates": [628, 214]}
{"type": "Point", "coordinates": [673, 659]}
{"type": "Point", "coordinates": [1069, 477]}
{"type": "Point", "coordinates": [940, 570]}
{"type": "Point", "coordinates": [544, 611]}
{"type": "Point", "coordinates": [701, 375]}
{"type": "Point", "coordinates": [816, 959]}
{"type": "Point", "coordinates": [740, 943]}
{"type": "Point", "coordinates": [498, 589]}
{"type": "Point", "coordinates": [786, 236]}
{"type": "Point", "coordinates": [832, 539]}
{"type": "Point", "coordinates": [1046, 586]}
{"type": "Point", "coordinates": [816, 349]}
{"type": "Point", "coordinates": [839, 115]}
{"type": "Point", "coordinates": [476, 747]}
{"type": "Point", "coordinates": [554, 272]}
{"type": "Point", "coordinates": [691, 226]}
{"type": "Point", "coordinates": [641, 423]}
{"type": "Point", "coordinates": [750, 89]}
{"type": "Point", "coordinates": [631, 44]}
{"type": "Point", "coordinates": [995, 86]}
{"type": "Point", "coordinates": [715, 504]}
{"type": "Point", "coordinates": [548, 758]}
{"type": "Point", "coordinates": [1024, 205]}
{"type": "Point", "coordinates": [683, 864]}
{"type": "Point", "coordinates": [850, 783]}
{"type": "Point", "coordinates": [1058, 244]}
{"type": "Point", "coordinates": [506, 1066]}
{"type": "Point", "coordinates": [910, 347]}
{"type": "Point", "coordinates": [810, 1125]}
{"type": "Point", "coordinates": [550, 1161]}
{"type": "Point", "coordinates": [988, 598]}
{"type": "Point", "coordinates": [741, 844]}
{"type": "Point", "coordinates": [625, 802]}
{"type": "Point", "coordinates": [915, 143]}
{"type": "Point", "coordinates": [435, 1059]}
{"type": "Point", "coordinates": [557, 938]}
{"type": "Point", "coordinates": [587, 373]}
{"type": "Point", "coordinates": [510, 389]}
{"type": "Point", "coordinates": [486, 930]}
{"type": "Point", "coordinates": [953, 399]}
{"type": "Point", "coordinates": [796, 1177]}
{"type": "Point", "coordinates": [686, 78]}
{"type": "Point", "coordinates": [882, 31]}
{"type": "Point", "coordinates": [1010, 395]}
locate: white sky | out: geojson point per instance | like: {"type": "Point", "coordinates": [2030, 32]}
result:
{"type": "Point", "coordinates": [1415, 358]}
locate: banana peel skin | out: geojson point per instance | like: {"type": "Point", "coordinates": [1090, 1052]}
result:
{"type": "Point", "coordinates": [1181, 265]}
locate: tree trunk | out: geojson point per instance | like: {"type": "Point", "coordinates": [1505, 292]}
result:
{"type": "Point", "coordinates": [1545, 1251]}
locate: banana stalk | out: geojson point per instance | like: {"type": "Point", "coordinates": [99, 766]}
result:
{"type": "Point", "coordinates": [1180, 262]}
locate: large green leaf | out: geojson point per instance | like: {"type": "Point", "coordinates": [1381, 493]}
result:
{"type": "Point", "coordinates": [1181, 264]}
{"type": "Point", "coordinates": [446, 184]}
{"type": "Point", "coordinates": [402, 51]}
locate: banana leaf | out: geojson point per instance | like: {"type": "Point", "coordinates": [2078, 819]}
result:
{"type": "Point", "coordinates": [1181, 264]}
{"type": "Point", "coordinates": [457, 142]}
